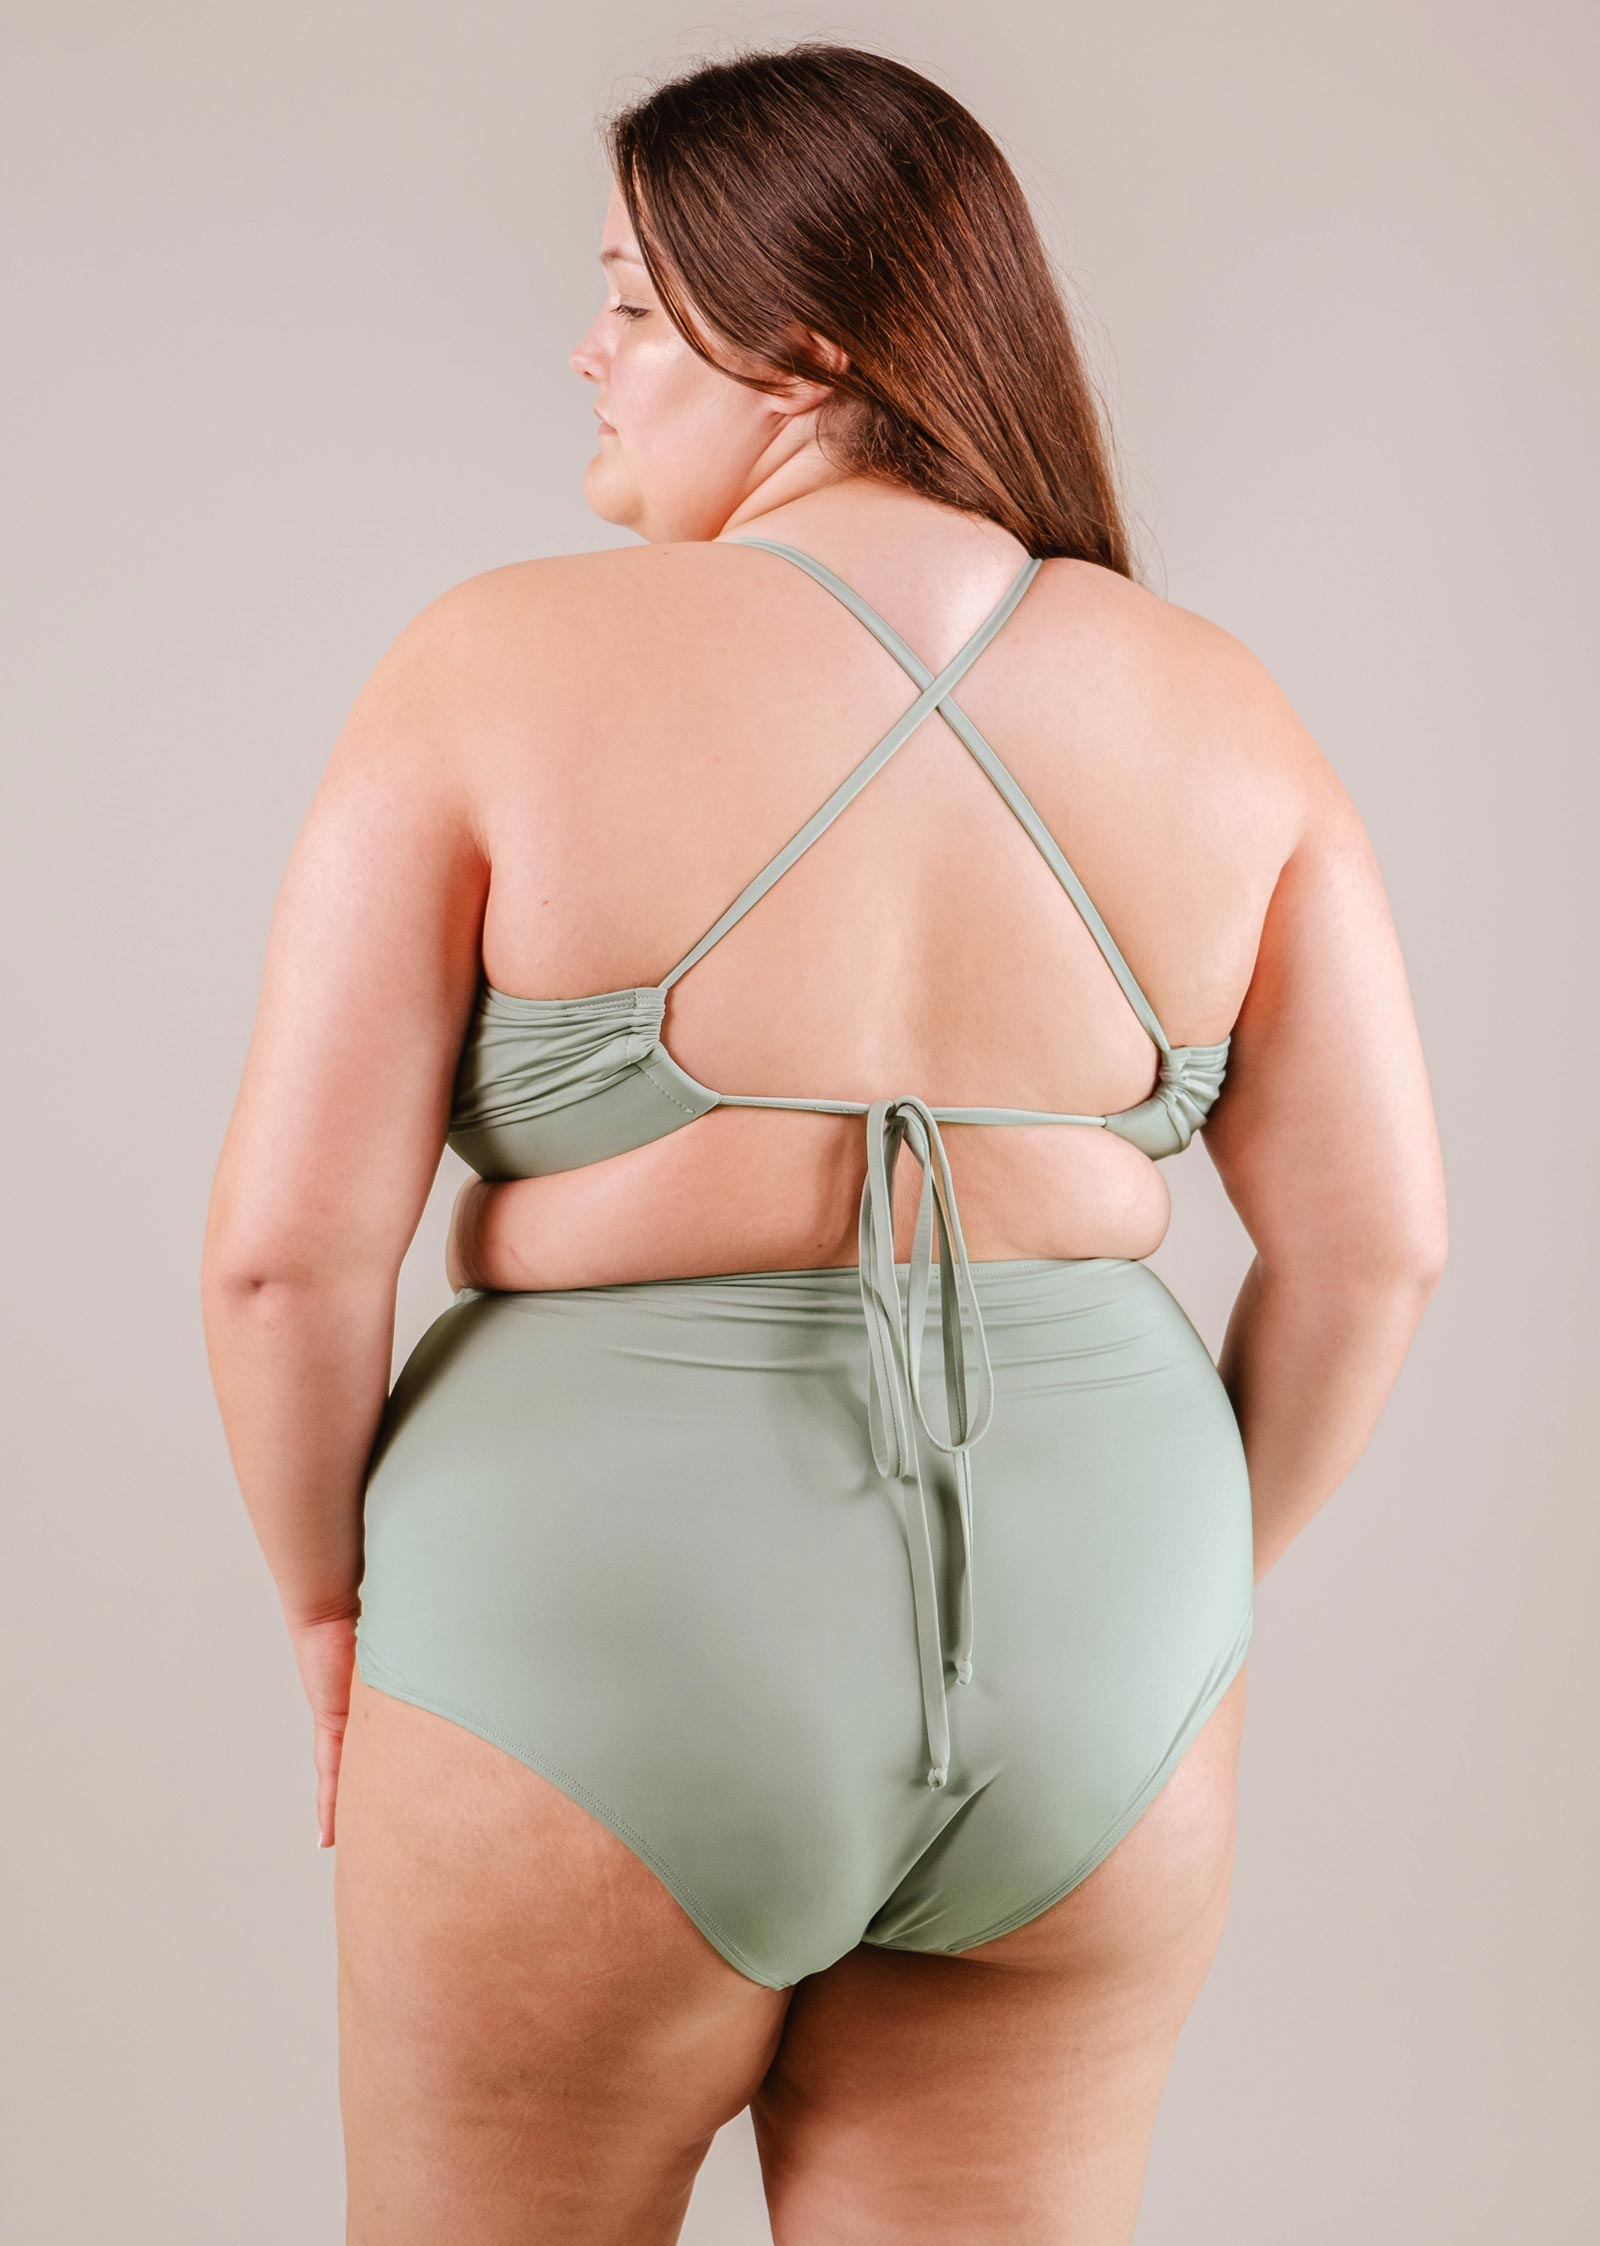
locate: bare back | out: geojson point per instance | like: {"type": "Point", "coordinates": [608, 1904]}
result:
{"type": "Point", "coordinates": [670, 715]}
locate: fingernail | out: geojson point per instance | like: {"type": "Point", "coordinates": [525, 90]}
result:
{"type": "Point", "coordinates": [321, 1843]}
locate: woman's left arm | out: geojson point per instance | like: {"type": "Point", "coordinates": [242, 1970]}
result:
{"type": "Point", "coordinates": [371, 969]}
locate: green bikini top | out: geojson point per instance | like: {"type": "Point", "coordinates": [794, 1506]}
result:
{"type": "Point", "coordinates": [553, 1084]}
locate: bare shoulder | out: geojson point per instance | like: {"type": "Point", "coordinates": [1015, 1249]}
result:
{"type": "Point", "coordinates": [464, 660]}
{"type": "Point", "coordinates": [552, 615]}
{"type": "Point", "coordinates": [1204, 687]}
{"type": "Point", "coordinates": [512, 596]}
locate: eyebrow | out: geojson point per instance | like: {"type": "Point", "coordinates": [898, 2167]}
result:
{"type": "Point", "coordinates": [619, 257]}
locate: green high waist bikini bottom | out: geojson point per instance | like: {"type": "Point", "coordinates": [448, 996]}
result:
{"type": "Point", "coordinates": [692, 1549]}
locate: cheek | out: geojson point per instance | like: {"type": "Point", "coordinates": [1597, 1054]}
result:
{"type": "Point", "coordinates": [662, 392]}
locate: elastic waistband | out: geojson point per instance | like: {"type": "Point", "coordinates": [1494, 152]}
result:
{"type": "Point", "coordinates": [846, 1272]}
{"type": "Point", "coordinates": [1008, 1286]}
{"type": "Point", "coordinates": [847, 1275]}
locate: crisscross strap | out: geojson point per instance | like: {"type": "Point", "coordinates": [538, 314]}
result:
{"type": "Point", "coordinates": [967, 733]}
{"type": "Point", "coordinates": [929, 699]}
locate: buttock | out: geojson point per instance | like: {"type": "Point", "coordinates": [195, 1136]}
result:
{"type": "Point", "coordinates": [637, 1536]}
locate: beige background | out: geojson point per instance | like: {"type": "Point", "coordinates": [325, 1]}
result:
{"type": "Point", "coordinates": [290, 295]}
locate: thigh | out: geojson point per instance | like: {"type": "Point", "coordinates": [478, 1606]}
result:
{"type": "Point", "coordinates": [1010, 2091]}
{"type": "Point", "coordinates": [536, 2041]}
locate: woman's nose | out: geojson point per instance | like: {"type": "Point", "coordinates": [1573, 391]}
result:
{"type": "Point", "coordinates": [586, 358]}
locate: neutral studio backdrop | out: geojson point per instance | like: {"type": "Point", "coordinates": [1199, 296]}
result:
{"type": "Point", "coordinates": [290, 293]}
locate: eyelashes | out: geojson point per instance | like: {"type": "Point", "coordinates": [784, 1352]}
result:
{"type": "Point", "coordinates": [629, 311]}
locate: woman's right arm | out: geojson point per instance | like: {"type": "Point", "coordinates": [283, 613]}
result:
{"type": "Point", "coordinates": [1327, 1145]}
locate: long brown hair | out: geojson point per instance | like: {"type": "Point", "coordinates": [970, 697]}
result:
{"type": "Point", "coordinates": [823, 187]}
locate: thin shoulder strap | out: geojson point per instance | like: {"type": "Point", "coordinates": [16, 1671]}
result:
{"type": "Point", "coordinates": [966, 732]}
{"type": "Point", "coordinates": [931, 697]}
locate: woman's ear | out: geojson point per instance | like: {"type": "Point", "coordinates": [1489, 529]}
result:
{"type": "Point", "coordinates": [799, 396]}
{"type": "Point", "coordinates": [833, 355]}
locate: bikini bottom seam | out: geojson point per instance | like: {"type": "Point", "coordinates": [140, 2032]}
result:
{"type": "Point", "coordinates": [400, 1688]}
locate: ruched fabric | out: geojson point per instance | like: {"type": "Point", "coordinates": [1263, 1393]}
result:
{"type": "Point", "coordinates": [1186, 1089]}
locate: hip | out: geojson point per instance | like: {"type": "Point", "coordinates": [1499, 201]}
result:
{"type": "Point", "coordinates": [613, 1457]}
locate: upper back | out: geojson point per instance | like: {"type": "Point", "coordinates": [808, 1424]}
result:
{"type": "Point", "coordinates": [670, 715]}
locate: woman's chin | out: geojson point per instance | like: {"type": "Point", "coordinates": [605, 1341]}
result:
{"type": "Point", "coordinates": [602, 489]}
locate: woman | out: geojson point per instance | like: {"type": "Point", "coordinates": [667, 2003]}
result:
{"type": "Point", "coordinates": [733, 1721]}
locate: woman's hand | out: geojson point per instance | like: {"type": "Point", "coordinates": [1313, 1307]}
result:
{"type": "Point", "coordinates": [326, 1653]}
